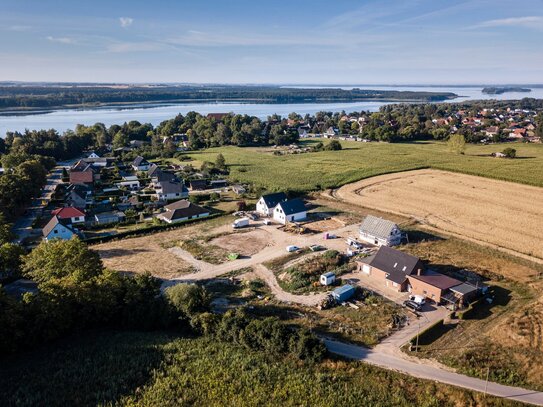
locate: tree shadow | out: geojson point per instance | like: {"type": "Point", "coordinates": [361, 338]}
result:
{"type": "Point", "coordinates": [102, 366]}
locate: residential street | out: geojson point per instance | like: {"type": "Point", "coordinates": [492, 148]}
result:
{"type": "Point", "coordinates": [23, 226]}
{"type": "Point", "coordinates": [425, 371]}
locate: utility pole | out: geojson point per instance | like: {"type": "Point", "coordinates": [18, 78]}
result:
{"type": "Point", "coordinates": [418, 331]}
{"type": "Point", "coordinates": [487, 375]}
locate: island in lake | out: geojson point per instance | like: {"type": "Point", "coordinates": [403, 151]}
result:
{"type": "Point", "coordinates": [500, 90]}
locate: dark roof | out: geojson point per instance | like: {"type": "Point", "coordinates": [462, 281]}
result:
{"type": "Point", "coordinates": [436, 279]}
{"type": "Point", "coordinates": [198, 183]}
{"type": "Point", "coordinates": [393, 261]}
{"type": "Point", "coordinates": [464, 288]}
{"type": "Point", "coordinates": [153, 170]}
{"type": "Point", "coordinates": [169, 187]}
{"type": "Point", "coordinates": [139, 161]}
{"type": "Point", "coordinates": [272, 200]}
{"type": "Point", "coordinates": [377, 227]}
{"type": "Point", "coordinates": [182, 209]}
{"type": "Point", "coordinates": [293, 206]}
{"type": "Point", "coordinates": [53, 222]}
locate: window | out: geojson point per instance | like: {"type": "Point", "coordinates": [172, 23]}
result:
{"type": "Point", "coordinates": [404, 268]}
{"type": "Point", "coordinates": [55, 231]}
{"type": "Point", "coordinates": [395, 264]}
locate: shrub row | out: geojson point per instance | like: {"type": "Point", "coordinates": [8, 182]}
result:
{"type": "Point", "coordinates": [147, 230]}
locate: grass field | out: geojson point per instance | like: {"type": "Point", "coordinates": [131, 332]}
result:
{"type": "Point", "coordinates": [330, 169]}
{"type": "Point", "coordinates": [160, 369]}
{"type": "Point", "coordinates": [500, 213]}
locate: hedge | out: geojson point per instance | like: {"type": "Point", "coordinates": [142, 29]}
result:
{"type": "Point", "coordinates": [148, 230]}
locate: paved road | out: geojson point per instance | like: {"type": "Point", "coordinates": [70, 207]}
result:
{"type": "Point", "coordinates": [424, 371]}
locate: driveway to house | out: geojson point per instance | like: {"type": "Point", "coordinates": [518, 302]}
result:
{"type": "Point", "coordinates": [425, 371]}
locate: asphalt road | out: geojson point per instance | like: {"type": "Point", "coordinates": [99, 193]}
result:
{"type": "Point", "coordinates": [424, 371]}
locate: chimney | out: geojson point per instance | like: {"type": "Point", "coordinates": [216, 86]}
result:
{"type": "Point", "coordinates": [418, 272]}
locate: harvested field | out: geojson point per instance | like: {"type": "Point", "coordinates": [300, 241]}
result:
{"type": "Point", "coordinates": [498, 213]}
{"type": "Point", "coordinates": [244, 243]}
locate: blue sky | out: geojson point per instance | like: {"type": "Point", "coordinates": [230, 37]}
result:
{"type": "Point", "coordinates": [295, 42]}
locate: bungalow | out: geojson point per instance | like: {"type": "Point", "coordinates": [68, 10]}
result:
{"type": "Point", "coordinates": [290, 211]}
{"type": "Point", "coordinates": [168, 190]}
{"type": "Point", "coordinates": [70, 214]}
{"type": "Point", "coordinates": [267, 203]}
{"type": "Point", "coordinates": [58, 228]}
{"type": "Point", "coordinates": [182, 210]}
{"type": "Point", "coordinates": [79, 196]}
{"type": "Point", "coordinates": [140, 164]}
{"type": "Point", "coordinates": [83, 173]}
{"type": "Point", "coordinates": [157, 175]}
{"type": "Point", "coordinates": [105, 218]}
{"type": "Point", "coordinates": [380, 231]}
{"type": "Point", "coordinates": [392, 267]}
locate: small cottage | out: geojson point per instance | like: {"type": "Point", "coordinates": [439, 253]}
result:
{"type": "Point", "coordinates": [327, 278]}
{"type": "Point", "coordinates": [182, 210]}
{"type": "Point", "coordinates": [58, 228]}
{"type": "Point", "coordinates": [140, 164]}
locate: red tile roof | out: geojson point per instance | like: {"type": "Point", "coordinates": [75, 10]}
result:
{"type": "Point", "coordinates": [68, 212]}
{"type": "Point", "coordinates": [81, 177]}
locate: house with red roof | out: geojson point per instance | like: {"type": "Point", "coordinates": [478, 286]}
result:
{"type": "Point", "coordinates": [69, 214]}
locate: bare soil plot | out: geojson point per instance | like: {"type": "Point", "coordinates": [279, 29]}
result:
{"type": "Point", "coordinates": [499, 213]}
{"type": "Point", "coordinates": [150, 253]}
{"type": "Point", "coordinates": [244, 243]}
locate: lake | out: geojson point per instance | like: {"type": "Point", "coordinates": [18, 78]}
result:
{"type": "Point", "coordinates": [65, 119]}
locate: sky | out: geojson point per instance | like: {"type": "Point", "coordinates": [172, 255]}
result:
{"type": "Point", "coordinates": [273, 42]}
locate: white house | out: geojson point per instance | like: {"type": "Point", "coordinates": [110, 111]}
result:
{"type": "Point", "coordinates": [130, 181]}
{"type": "Point", "coordinates": [140, 164]}
{"type": "Point", "coordinates": [169, 190]}
{"type": "Point", "coordinates": [327, 278]}
{"type": "Point", "coordinates": [267, 203]}
{"type": "Point", "coordinates": [290, 211]}
{"type": "Point", "coordinates": [380, 232]}
{"type": "Point", "coordinates": [58, 228]}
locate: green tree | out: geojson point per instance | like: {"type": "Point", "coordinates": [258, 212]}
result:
{"type": "Point", "coordinates": [510, 152]}
{"type": "Point", "coordinates": [120, 140]}
{"type": "Point", "coordinates": [220, 162]}
{"type": "Point", "coordinates": [188, 299]}
{"type": "Point", "coordinates": [456, 144]}
{"type": "Point", "coordinates": [333, 145]}
{"type": "Point", "coordinates": [60, 261]}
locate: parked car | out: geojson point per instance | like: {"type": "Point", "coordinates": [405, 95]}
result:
{"type": "Point", "coordinates": [267, 222]}
{"type": "Point", "coordinates": [419, 299]}
{"type": "Point", "coordinates": [292, 248]}
{"type": "Point", "coordinates": [412, 305]}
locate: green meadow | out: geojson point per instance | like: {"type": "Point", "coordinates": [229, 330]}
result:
{"type": "Point", "coordinates": [330, 169]}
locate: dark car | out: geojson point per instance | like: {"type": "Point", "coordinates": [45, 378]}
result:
{"type": "Point", "coordinates": [412, 305]}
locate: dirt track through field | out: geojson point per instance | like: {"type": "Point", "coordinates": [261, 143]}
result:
{"type": "Point", "coordinates": [498, 213]}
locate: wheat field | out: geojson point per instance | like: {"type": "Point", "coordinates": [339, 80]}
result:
{"type": "Point", "coordinates": [504, 214]}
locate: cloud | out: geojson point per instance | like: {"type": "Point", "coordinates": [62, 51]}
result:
{"type": "Point", "coordinates": [126, 21]}
{"type": "Point", "coordinates": [62, 40]}
{"type": "Point", "coordinates": [528, 22]}
{"type": "Point", "coordinates": [148, 46]}
{"type": "Point", "coordinates": [19, 28]}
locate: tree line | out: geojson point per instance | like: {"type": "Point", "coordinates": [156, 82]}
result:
{"type": "Point", "coordinates": [34, 97]}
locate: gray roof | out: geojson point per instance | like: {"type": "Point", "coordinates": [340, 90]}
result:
{"type": "Point", "coordinates": [55, 220]}
{"type": "Point", "coordinates": [183, 209]}
{"type": "Point", "coordinates": [377, 227]}
{"type": "Point", "coordinates": [272, 200]}
{"type": "Point", "coordinates": [169, 187]}
{"type": "Point", "coordinates": [396, 263]}
{"type": "Point", "coordinates": [293, 206]}
{"type": "Point", "coordinates": [139, 161]}
{"type": "Point", "coordinates": [464, 288]}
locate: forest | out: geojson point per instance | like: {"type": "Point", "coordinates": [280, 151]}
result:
{"type": "Point", "coordinates": [56, 96]}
